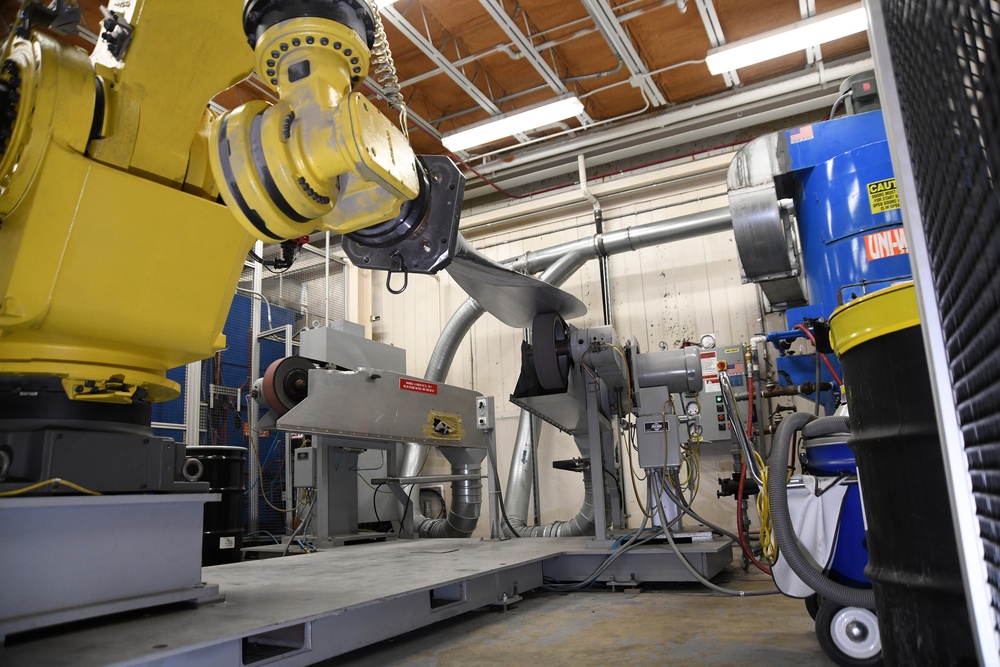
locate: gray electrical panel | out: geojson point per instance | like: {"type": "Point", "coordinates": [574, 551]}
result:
{"type": "Point", "coordinates": [714, 421]}
{"type": "Point", "coordinates": [304, 467]}
{"type": "Point", "coordinates": [658, 440]}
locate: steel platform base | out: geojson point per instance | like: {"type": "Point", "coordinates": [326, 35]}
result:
{"type": "Point", "coordinates": [263, 551]}
{"type": "Point", "coordinates": [67, 558]}
{"type": "Point", "coordinates": [298, 611]}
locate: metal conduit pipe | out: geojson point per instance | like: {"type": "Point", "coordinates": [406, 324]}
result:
{"type": "Point", "coordinates": [599, 229]}
{"type": "Point", "coordinates": [628, 239]}
{"type": "Point", "coordinates": [559, 263]}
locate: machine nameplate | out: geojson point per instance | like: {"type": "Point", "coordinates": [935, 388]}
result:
{"type": "Point", "coordinates": [656, 427]}
{"type": "Point", "coordinates": [887, 243]}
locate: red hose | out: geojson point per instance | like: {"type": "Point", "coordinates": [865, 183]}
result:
{"type": "Point", "coordinates": [743, 475]}
{"type": "Point", "coordinates": [739, 524]}
{"type": "Point", "coordinates": [812, 339]}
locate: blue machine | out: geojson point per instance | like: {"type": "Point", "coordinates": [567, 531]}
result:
{"type": "Point", "coordinates": [818, 224]}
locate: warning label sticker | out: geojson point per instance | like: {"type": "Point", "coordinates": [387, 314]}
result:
{"type": "Point", "coordinates": [418, 386]}
{"type": "Point", "coordinates": [710, 372]}
{"type": "Point", "coordinates": [888, 243]}
{"type": "Point", "coordinates": [883, 196]}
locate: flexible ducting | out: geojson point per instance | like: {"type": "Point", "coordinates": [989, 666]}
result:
{"type": "Point", "coordinates": [788, 543]}
{"type": "Point", "coordinates": [517, 496]}
{"type": "Point", "coordinates": [463, 514]}
{"type": "Point", "coordinates": [558, 263]}
{"type": "Point", "coordinates": [825, 426]}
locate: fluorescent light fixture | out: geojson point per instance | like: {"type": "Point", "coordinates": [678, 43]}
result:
{"type": "Point", "coordinates": [513, 123]}
{"type": "Point", "coordinates": [796, 37]}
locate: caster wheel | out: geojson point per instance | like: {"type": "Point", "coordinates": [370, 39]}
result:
{"type": "Point", "coordinates": [848, 635]}
{"type": "Point", "coordinates": [812, 604]}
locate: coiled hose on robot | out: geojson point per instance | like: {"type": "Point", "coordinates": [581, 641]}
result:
{"type": "Point", "coordinates": [788, 542]}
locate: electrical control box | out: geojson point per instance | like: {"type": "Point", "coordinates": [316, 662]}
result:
{"type": "Point", "coordinates": [659, 442]}
{"type": "Point", "coordinates": [727, 359]}
{"type": "Point", "coordinates": [304, 467]}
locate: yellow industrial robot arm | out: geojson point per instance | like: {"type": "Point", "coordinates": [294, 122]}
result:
{"type": "Point", "coordinates": [324, 157]}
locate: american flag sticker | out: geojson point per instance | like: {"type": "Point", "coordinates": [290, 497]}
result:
{"type": "Point", "coordinates": [804, 133]}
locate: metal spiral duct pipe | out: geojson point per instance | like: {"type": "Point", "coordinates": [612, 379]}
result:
{"type": "Point", "coordinates": [558, 263]}
{"type": "Point", "coordinates": [517, 497]}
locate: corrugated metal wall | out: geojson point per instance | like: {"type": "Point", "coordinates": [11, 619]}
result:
{"type": "Point", "coordinates": [662, 296]}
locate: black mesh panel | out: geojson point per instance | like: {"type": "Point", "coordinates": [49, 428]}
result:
{"type": "Point", "coordinates": [946, 56]}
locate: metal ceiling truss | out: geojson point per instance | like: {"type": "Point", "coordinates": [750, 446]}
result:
{"type": "Point", "coordinates": [710, 19]}
{"type": "Point", "coordinates": [527, 50]}
{"type": "Point", "coordinates": [446, 66]}
{"type": "Point", "coordinates": [621, 45]}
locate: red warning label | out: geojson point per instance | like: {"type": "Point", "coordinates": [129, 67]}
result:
{"type": "Point", "coordinates": [888, 243]}
{"type": "Point", "coordinates": [418, 386]}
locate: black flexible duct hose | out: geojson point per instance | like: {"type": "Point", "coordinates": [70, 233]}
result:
{"type": "Point", "coordinates": [788, 543]}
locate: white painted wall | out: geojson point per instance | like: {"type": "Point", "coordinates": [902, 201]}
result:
{"type": "Point", "coordinates": [661, 295]}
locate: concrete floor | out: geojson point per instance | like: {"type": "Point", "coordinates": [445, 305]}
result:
{"type": "Point", "coordinates": [667, 625]}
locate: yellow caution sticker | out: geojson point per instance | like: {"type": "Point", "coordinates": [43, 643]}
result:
{"type": "Point", "coordinates": [883, 196]}
{"type": "Point", "coordinates": [443, 426]}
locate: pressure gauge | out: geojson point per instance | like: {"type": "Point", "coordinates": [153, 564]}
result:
{"type": "Point", "coordinates": [694, 430]}
{"type": "Point", "coordinates": [708, 341]}
{"type": "Point", "coordinates": [692, 409]}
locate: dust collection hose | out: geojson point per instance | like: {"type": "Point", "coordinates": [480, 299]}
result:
{"type": "Point", "coordinates": [788, 543]}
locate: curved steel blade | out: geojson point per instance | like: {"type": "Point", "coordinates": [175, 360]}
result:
{"type": "Point", "coordinates": [511, 297]}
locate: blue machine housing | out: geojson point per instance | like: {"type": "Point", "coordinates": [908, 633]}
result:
{"type": "Point", "coordinates": [852, 241]}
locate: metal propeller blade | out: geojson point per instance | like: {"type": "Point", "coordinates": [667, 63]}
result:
{"type": "Point", "coordinates": [513, 298]}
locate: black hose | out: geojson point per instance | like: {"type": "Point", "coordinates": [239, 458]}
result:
{"type": "Point", "coordinates": [788, 543]}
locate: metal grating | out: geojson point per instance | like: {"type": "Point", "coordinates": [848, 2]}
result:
{"type": "Point", "coordinates": [303, 288]}
{"type": "Point", "coordinates": [946, 62]}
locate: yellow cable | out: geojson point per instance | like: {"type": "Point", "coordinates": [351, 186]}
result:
{"type": "Point", "coordinates": [55, 480]}
{"type": "Point", "coordinates": [767, 543]}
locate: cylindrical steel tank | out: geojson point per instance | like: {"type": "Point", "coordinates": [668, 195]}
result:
{"type": "Point", "coordinates": [913, 554]}
{"type": "Point", "coordinates": [223, 531]}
